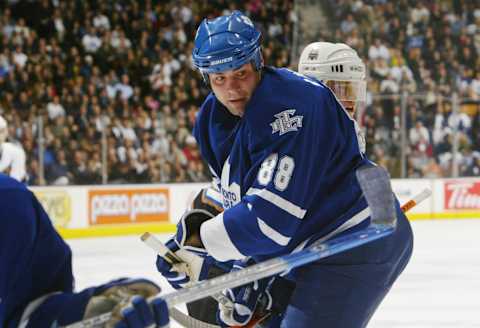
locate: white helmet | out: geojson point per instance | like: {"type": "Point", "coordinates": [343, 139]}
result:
{"type": "Point", "coordinates": [3, 130]}
{"type": "Point", "coordinates": [338, 66]}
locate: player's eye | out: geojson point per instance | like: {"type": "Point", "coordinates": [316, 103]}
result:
{"type": "Point", "coordinates": [219, 79]}
{"type": "Point", "coordinates": [241, 74]}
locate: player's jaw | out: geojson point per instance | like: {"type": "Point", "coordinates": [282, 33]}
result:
{"type": "Point", "coordinates": [234, 88]}
{"type": "Point", "coordinates": [349, 106]}
{"type": "Point", "coordinates": [236, 104]}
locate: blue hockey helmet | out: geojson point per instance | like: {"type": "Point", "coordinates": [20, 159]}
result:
{"type": "Point", "coordinates": [226, 43]}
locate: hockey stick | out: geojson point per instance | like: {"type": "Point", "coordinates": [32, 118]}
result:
{"type": "Point", "coordinates": [417, 199]}
{"type": "Point", "coordinates": [177, 261]}
{"type": "Point", "coordinates": [258, 271]}
{"type": "Point", "coordinates": [376, 187]}
{"type": "Point", "coordinates": [190, 322]}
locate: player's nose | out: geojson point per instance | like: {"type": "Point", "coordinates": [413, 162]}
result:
{"type": "Point", "coordinates": [232, 85]}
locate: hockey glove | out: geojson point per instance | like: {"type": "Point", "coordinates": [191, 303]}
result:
{"type": "Point", "coordinates": [195, 261]}
{"type": "Point", "coordinates": [67, 308]}
{"type": "Point", "coordinates": [208, 199]}
{"type": "Point", "coordinates": [245, 300]}
{"type": "Point", "coordinates": [140, 314]}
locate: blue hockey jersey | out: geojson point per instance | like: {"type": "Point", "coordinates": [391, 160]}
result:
{"type": "Point", "coordinates": [34, 260]}
{"type": "Point", "coordinates": [285, 170]}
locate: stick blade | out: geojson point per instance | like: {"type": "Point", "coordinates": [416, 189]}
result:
{"type": "Point", "coordinates": [376, 187]}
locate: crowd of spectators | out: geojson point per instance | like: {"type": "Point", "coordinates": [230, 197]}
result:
{"type": "Point", "coordinates": [429, 49]}
{"type": "Point", "coordinates": [114, 74]}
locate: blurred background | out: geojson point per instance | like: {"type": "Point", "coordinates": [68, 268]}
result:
{"type": "Point", "coordinates": [103, 92]}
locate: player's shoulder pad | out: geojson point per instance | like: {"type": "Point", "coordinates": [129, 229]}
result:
{"type": "Point", "coordinates": [285, 104]}
{"type": "Point", "coordinates": [9, 184]}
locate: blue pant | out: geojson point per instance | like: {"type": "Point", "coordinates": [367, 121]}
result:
{"type": "Point", "coordinates": [344, 290]}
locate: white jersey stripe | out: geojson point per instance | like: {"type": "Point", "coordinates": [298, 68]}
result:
{"type": "Point", "coordinates": [353, 221]}
{"type": "Point", "coordinates": [272, 233]}
{"type": "Point", "coordinates": [216, 240]}
{"type": "Point", "coordinates": [278, 201]}
{"type": "Point", "coordinates": [214, 195]}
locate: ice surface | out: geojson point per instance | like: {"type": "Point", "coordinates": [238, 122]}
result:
{"type": "Point", "coordinates": [440, 287]}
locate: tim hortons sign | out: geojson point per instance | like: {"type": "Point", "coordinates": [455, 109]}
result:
{"type": "Point", "coordinates": [462, 195]}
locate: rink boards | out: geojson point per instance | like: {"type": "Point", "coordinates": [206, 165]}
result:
{"type": "Point", "coordinates": [86, 211]}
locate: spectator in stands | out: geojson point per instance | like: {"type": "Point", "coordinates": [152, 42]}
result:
{"type": "Point", "coordinates": [429, 47]}
{"type": "Point", "coordinates": [58, 173]}
{"type": "Point", "coordinates": [473, 168]}
{"type": "Point", "coordinates": [55, 108]}
{"type": "Point", "coordinates": [432, 49]}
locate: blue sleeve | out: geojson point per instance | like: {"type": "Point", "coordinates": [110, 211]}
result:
{"type": "Point", "coordinates": [34, 260]}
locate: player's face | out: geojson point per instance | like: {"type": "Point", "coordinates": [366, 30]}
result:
{"type": "Point", "coordinates": [235, 87]}
{"type": "Point", "coordinates": [349, 106]}
{"type": "Point", "coordinates": [3, 135]}
{"type": "Point", "coordinates": [348, 93]}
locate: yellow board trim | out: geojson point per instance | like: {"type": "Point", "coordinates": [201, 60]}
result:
{"type": "Point", "coordinates": [116, 230]}
{"type": "Point", "coordinates": [444, 215]}
{"type": "Point", "coordinates": [138, 229]}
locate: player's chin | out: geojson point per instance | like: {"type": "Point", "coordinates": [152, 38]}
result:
{"type": "Point", "coordinates": [237, 107]}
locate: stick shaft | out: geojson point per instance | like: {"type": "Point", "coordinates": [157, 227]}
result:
{"type": "Point", "coordinates": [158, 247]}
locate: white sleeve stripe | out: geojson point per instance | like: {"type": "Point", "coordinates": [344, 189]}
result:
{"type": "Point", "coordinates": [272, 233]}
{"type": "Point", "coordinates": [31, 308]}
{"type": "Point", "coordinates": [278, 201]}
{"type": "Point", "coordinates": [214, 195]}
{"type": "Point", "coordinates": [213, 172]}
{"type": "Point", "coordinates": [181, 276]}
{"type": "Point", "coordinates": [353, 221]}
{"type": "Point", "coordinates": [216, 240]}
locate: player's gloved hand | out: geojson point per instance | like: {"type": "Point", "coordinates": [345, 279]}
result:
{"type": "Point", "coordinates": [68, 308]}
{"type": "Point", "coordinates": [208, 199]}
{"type": "Point", "coordinates": [245, 300]}
{"type": "Point", "coordinates": [196, 261]}
{"type": "Point", "coordinates": [140, 314]}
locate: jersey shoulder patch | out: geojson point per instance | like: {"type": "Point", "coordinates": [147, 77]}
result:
{"type": "Point", "coordinates": [286, 121]}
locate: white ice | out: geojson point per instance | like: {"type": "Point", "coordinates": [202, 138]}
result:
{"type": "Point", "coordinates": [440, 287]}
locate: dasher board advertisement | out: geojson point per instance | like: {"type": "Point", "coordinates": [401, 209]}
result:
{"type": "Point", "coordinates": [114, 206]}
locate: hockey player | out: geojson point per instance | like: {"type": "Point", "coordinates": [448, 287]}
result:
{"type": "Point", "coordinates": [339, 67]}
{"type": "Point", "coordinates": [284, 153]}
{"type": "Point", "coordinates": [12, 156]}
{"type": "Point", "coordinates": [36, 282]}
